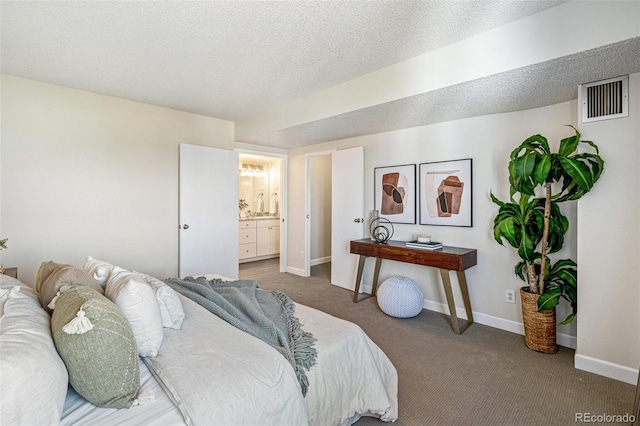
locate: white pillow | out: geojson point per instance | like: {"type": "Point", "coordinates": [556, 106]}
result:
{"type": "Point", "coordinates": [98, 269]}
{"type": "Point", "coordinates": [34, 378]}
{"type": "Point", "coordinates": [137, 302]}
{"type": "Point", "coordinates": [168, 301]}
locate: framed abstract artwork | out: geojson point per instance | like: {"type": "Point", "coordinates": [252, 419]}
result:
{"type": "Point", "coordinates": [395, 193]}
{"type": "Point", "coordinates": [445, 193]}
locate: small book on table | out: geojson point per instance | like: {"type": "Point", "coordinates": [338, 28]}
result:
{"type": "Point", "coordinates": [433, 245]}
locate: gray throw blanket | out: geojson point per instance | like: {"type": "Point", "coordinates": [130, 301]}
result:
{"type": "Point", "coordinates": [267, 315]}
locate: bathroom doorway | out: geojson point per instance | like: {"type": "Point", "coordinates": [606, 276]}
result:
{"type": "Point", "coordinates": [261, 197]}
{"type": "Point", "coordinates": [319, 211]}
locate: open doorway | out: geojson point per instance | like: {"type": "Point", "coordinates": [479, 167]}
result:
{"type": "Point", "coordinates": [345, 201]}
{"type": "Point", "coordinates": [319, 210]}
{"type": "Point", "coordinates": [262, 198]}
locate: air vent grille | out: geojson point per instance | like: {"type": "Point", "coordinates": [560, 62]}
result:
{"type": "Point", "coordinates": [603, 100]}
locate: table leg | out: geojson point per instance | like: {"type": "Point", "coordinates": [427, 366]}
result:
{"type": "Point", "coordinates": [462, 280]}
{"type": "Point", "coordinates": [356, 291]}
{"type": "Point", "coordinates": [446, 283]}
{"type": "Point", "coordinates": [376, 274]}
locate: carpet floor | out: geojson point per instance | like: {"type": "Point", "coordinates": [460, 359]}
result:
{"type": "Point", "coordinates": [485, 376]}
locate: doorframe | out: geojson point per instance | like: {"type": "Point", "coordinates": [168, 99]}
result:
{"type": "Point", "coordinates": [307, 208]}
{"type": "Point", "coordinates": [284, 182]}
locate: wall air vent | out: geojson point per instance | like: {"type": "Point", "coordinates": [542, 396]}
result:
{"type": "Point", "coordinates": [606, 99]}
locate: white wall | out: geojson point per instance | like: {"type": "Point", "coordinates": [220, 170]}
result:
{"type": "Point", "coordinates": [83, 173]}
{"type": "Point", "coordinates": [87, 174]}
{"type": "Point", "coordinates": [320, 220]}
{"type": "Point", "coordinates": [488, 140]}
{"type": "Point", "coordinates": [609, 250]}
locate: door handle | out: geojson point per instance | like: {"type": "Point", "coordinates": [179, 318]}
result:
{"type": "Point", "coordinates": [185, 226]}
{"type": "Point", "coordinates": [358, 220]}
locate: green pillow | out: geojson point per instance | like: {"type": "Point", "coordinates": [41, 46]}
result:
{"type": "Point", "coordinates": [101, 354]}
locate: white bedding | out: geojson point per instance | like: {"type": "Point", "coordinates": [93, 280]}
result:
{"type": "Point", "coordinates": [213, 373]}
{"type": "Point", "coordinates": [353, 376]}
{"type": "Point", "coordinates": [217, 374]}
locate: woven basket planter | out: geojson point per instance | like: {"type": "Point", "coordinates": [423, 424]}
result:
{"type": "Point", "coordinates": [539, 327]}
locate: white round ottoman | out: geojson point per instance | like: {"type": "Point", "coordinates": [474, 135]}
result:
{"type": "Point", "coordinates": [400, 297]}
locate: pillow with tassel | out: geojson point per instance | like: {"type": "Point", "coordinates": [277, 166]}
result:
{"type": "Point", "coordinates": [96, 343]}
{"type": "Point", "coordinates": [51, 276]}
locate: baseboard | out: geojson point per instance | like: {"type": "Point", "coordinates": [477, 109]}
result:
{"type": "Point", "coordinates": [563, 339]}
{"type": "Point", "coordinates": [254, 259]}
{"type": "Point", "coordinates": [320, 260]}
{"type": "Point", "coordinates": [607, 369]}
{"type": "Point", "coordinates": [296, 271]}
{"type": "Point", "coordinates": [314, 262]}
{"type": "Point", "coordinates": [567, 340]}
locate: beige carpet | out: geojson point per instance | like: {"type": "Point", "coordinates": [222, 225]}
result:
{"type": "Point", "coordinates": [485, 376]}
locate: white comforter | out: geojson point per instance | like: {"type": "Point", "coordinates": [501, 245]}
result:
{"type": "Point", "coordinates": [217, 374]}
{"type": "Point", "coordinates": [353, 376]}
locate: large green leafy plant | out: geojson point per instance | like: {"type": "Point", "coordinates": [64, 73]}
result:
{"type": "Point", "coordinates": [532, 221]}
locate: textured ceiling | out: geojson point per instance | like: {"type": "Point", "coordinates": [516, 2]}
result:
{"type": "Point", "coordinates": [231, 59]}
{"type": "Point", "coordinates": [235, 59]}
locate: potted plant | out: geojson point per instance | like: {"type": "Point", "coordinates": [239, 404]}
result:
{"type": "Point", "coordinates": [242, 204]}
{"type": "Point", "coordinates": [532, 223]}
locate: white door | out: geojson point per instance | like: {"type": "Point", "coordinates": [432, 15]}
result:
{"type": "Point", "coordinates": [262, 241]}
{"type": "Point", "coordinates": [347, 213]}
{"type": "Point", "coordinates": [208, 211]}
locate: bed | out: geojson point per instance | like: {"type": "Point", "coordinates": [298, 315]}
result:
{"type": "Point", "coordinates": [204, 372]}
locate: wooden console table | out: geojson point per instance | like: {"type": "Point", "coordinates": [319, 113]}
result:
{"type": "Point", "coordinates": [446, 259]}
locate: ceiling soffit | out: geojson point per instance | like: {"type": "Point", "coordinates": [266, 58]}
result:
{"type": "Point", "coordinates": [543, 84]}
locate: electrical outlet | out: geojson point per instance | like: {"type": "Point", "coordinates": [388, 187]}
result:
{"type": "Point", "coordinates": [510, 296]}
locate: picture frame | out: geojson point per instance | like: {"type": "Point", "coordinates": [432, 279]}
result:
{"type": "Point", "coordinates": [395, 193]}
{"type": "Point", "coordinates": [446, 190]}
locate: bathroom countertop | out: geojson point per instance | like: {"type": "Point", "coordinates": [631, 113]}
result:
{"type": "Point", "coordinates": [242, 219]}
